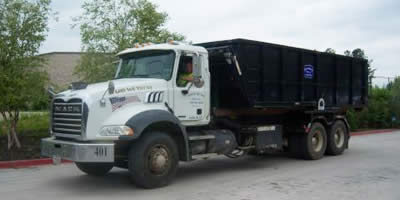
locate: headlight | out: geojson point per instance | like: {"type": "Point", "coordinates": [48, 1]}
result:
{"type": "Point", "coordinates": [116, 131]}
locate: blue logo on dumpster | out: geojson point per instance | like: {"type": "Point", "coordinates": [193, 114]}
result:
{"type": "Point", "coordinates": [308, 71]}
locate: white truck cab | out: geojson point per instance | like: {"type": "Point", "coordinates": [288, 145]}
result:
{"type": "Point", "coordinates": [89, 121]}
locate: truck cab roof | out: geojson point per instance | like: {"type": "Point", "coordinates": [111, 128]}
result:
{"type": "Point", "coordinates": [165, 46]}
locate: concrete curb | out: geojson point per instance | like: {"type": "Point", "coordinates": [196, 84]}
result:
{"type": "Point", "coordinates": [369, 132]}
{"type": "Point", "coordinates": [48, 161]}
{"type": "Point", "coordinates": [27, 163]}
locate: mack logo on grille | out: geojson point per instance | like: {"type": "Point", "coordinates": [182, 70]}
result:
{"type": "Point", "coordinates": [68, 109]}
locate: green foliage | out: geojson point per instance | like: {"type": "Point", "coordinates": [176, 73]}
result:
{"type": "Point", "coordinates": [394, 89]}
{"type": "Point", "coordinates": [382, 106]}
{"type": "Point", "coordinates": [378, 108]}
{"type": "Point", "coordinates": [352, 119]}
{"type": "Point", "coordinates": [109, 26]}
{"type": "Point", "coordinates": [23, 27]}
{"type": "Point", "coordinates": [40, 102]}
{"type": "Point", "coordinates": [96, 67]}
{"type": "Point", "coordinates": [32, 123]}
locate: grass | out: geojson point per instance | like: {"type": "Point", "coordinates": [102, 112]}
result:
{"type": "Point", "coordinates": [35, 124]}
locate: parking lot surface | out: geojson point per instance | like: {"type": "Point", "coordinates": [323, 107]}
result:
{"type": "Point", "coordinates": [370, 169]}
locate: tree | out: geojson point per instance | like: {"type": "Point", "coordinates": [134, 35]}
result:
{"type": "Point", "coordinates": [23, 27]}
{"type": "Point", "coordinates": [394, 88]}
{"type": "Point", "coordinates": [381, 107]}
{"type": "Point", "coordinates": [330, 50]}
{"type": "Point", "coordinates": [359, 53]}
{"type": "Point", "coordinates": [109, 26]}
{"type": "Point", "coordinates": [379, 113]}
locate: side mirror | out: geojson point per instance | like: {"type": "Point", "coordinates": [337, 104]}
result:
{"type": "Point", "coordinates": [51, 92]}
{"type": "Point", "coordinates": [198, 82]}
{"type": "Point", "coordinates": [197, 68]}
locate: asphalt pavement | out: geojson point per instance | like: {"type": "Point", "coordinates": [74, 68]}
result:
{"type": "Point", "coordinates": [370, 169]}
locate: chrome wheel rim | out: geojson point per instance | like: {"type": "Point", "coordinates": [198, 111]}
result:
{"type": "Point", "coordinates": [159, 159]}
{"type": "Point", "coordinates": [317, 141]}
{"type": "Point", "coordinates": [338, 137]}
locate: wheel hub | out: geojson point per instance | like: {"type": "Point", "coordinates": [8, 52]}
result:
{"type": "Point", "coordinates": [339, 137]}
{"type": "Point", "coordinates": [317, 141]}
{"type": "Point", "coordinates": [158, 160]}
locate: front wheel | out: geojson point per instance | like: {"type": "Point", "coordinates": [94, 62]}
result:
{"type": "Point", "coordinates": [95, 169]}
{"type": "Point", "coordinates": [153, 160]}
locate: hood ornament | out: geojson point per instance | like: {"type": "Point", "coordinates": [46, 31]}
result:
{"type": "Point", "coordinates": [78, 85]}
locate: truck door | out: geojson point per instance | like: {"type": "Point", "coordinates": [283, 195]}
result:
{"type": "Point", "coordinates": [189, 90]}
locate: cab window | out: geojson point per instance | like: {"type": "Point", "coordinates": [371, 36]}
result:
{"type": "Point", "coordinates": [185, 71]}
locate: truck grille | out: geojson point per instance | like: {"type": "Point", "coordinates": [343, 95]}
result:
{"type": "Point", "coordinates": [67, 116]}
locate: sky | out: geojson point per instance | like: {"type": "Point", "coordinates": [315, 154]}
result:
{"type": "Point", "coordinates": [372, 25]}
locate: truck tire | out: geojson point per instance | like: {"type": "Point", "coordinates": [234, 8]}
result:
{"type": "Point", "coordinates": [314, 142]}
{"type": "Point", "coordinates": [153, 160]}
{"type": "Point", "coordinates": [338, 138]}
{"type": "Point", "coordinates": [95, 169]}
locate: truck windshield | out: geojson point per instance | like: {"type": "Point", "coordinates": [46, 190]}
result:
{"type": "Point", "coordinates": [147, 64]}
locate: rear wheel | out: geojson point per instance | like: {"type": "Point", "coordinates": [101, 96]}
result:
{"type": "Point", "coordinates": [95, 169]}
{"type": "Point", "coordinates": [311, 145]}
{"type": "Point", "coordinates": [314, 143]}
{"type": "Point", "coordinates": [153, 160]}
{"type": "Point", "coordinates": [338, 138]}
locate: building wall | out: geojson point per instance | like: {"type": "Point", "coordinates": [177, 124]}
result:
{"type": "Point", "coordinates": [60, 67]}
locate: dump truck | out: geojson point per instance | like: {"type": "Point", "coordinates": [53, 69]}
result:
{"type": "Point", "coordinates": [177, 102]}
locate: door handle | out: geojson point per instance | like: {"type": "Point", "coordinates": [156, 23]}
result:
{"type": "Point", "coordinates": [185, 92]}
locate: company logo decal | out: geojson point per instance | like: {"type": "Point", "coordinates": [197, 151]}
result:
{"type": "Point", "coordinates": [308, 71]}
{"type": "Point", "coordinates": [133, 89]}
{"type": "Point", "coordinates": [67, 108]}
{"type": "Point", "coordinates": [118, 102]}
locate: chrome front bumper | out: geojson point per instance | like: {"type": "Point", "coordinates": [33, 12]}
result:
{"type": "Point", "coordinates": [77, 152]}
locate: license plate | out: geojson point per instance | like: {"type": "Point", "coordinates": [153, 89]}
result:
{"type": "Point", "coordinates": [58, 153]}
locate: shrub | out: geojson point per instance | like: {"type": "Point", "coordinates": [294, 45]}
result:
{"type": "Point", "coordinates": [382, 106]}
{"type": "Point", "coordinates": [32, 123]}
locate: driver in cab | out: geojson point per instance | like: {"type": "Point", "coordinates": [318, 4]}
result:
{"type": "Point", "coordinates": [187, 75]}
